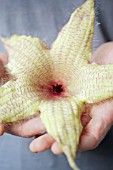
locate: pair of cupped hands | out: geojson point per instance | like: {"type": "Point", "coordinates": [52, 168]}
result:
{"type": "Point", "coordinates": [96, 121]}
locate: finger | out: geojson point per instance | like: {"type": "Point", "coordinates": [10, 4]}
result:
{"type": "Point", "coordinates": [4, 58]}
{"type": "Point", "coordinates": [104, 54]}
{"type": "Point", "coordinates": [102, 119]}
{"type": "Point", "coordinates": [93, 133]}
{"type": "Point", "coordinates": [85, 118]}
{"type": "Point", "coordinates": [2, 130]}
{"type": "Point", "coordinates": [4, 74]}
{"type": "Point", "coordinates": [56, 148]}
{"type": "Point", "coordinates": [92, 136]}
{"type": "Point", "coordinates": [42, 143]}
{"type": "Point", "coordinates": [26, 129]}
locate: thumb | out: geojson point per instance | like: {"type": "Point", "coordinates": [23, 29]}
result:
{"type": "Point", "coordinates": [101, 114]}
{"type": "Point", "coordinates": [93, 134]}
{"type": "Point", "coordinates": [104, 54]}
{"type": "Point", "coordinates": [4, 58]}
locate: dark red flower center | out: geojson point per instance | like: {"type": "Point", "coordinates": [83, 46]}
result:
{"type": "Point", "coordinates": [57, 89]}
{"type": "Point", "coordinates": [54, 90]}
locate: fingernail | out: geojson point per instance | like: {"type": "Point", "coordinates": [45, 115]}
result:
{"type": "Point", "coordinates": [32, 148]}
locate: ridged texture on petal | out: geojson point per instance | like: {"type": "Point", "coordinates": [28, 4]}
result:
{"type": "Point", "coordinates": [25, 54]}
{"type": "Point", "coordinates": [17, 102]}
{"type": "Point", "coordinates": [62, 120]}
{"type": "Point", "coordinates": [95, 83]}
{"type": "Point", "coordinates": [74, 43]}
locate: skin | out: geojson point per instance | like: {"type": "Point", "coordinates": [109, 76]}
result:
{"type": "Point", "coordinates": [96, 121]}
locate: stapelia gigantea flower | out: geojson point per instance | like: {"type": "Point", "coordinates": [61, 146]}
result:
{"type": "Point", "coordinates": [57, 82]}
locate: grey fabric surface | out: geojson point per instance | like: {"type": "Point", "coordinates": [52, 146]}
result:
{"type": "Point", "coordinates": [45, 19]}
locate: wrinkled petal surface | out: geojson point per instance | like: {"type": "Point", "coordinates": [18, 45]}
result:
{"type": "Point", "coordinates": [62, 120]}
{"type": "Point", "coordinates": [74, 43]}
{"type": "Point", "coordinates": [96, 83]}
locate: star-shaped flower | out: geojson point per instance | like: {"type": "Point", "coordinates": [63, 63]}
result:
{"type": "Point", "coordinates": [57, 82]}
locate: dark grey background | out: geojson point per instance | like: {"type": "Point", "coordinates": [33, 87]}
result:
{"type": "Point", "coordinates": [45, 18]}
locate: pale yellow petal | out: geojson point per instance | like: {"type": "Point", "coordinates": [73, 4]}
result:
{"type": "Point", "coordinates": [95, 83]}
{"type": "Point", "coordinates": [74, 43]}
{"type": "Point", "coordinates": [25, 53]}
{"type": "Point", "coordinates": [17, 102]}
{"type": "Point", "coordinates": [62, 121]}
